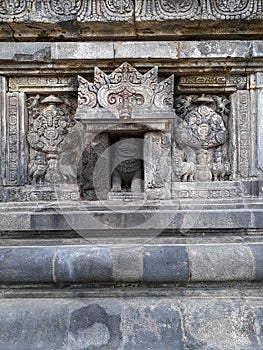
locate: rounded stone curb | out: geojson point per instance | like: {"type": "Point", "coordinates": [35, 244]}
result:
{"type": "Point", "coordinates": [148, 263]}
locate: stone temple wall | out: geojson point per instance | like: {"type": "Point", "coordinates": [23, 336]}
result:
{"type": "Point", "coordinates": [131, 142]}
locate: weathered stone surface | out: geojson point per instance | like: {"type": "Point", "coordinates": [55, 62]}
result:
{"type": "Point", "coordinates": [163, 264]}
{"type": "Point", "coordinates": [155, 325]}
{"type": "Point", "coordinates": [127, 263]}
{"type": "Point", "coordinates": [221, 262]}
{"type": "Point", "coordinates": [210, 262]}
{"type": "Point", "coordinates": [232, 320]}
{"type": "Point", "coordinates": [172, 50]}
{"type": "Point", "coordinates": [26, 265]}
{"type": "Point", "coordinates": [72, 265]}
{"type": "Point", "coordinates": [220, 323]}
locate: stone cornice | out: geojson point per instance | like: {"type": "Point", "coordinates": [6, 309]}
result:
{"type": "Point", "coordinates": [86, 19]}
{"type": "Point", "coordinates": [127, 10]}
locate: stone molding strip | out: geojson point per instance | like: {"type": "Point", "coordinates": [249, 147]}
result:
{"type": "Point", "coordinates": [131, 50]}
{"type": "Point", "coordinates": [82, 264]}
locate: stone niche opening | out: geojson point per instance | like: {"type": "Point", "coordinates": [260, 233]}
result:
{"type": "Point", "coordinates": [121, 112]}
{"type": "Point", "coordinates": [126, 164]}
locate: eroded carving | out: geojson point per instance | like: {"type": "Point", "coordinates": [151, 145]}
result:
{"type": "Point", "coordinates": [202, 83]}
{"type": "Point", "coordinates": [226, 9]}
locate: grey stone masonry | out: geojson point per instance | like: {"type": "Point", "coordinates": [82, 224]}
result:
{"type": "Point", "coordinates": [149, 263]}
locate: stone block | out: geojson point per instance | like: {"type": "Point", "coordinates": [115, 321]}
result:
{"type": "Point", "coordinates": [165, 264]}
{"type": "Point", "coordinates": [150, 49]}
{"type": "Point", "coordinates": [257, 251]}
{"type": "Point", "coordinates": [221, 262]}
{"type": "Point", "coordinates": [89, 50]}
{"type": "Point", "coordinates": [127, 263]}
{"type": "Point", "coordinates": [218, 324]}
{"type": "Point", "coordinates": [51, 221]}
{"type": "Point", "coordinates": [215, 49]}
{"type": "Point", "coordinates": [151, 324]}
{"type": "Point", "coordinates": [81, 265]}
{"type": "Point", "coordinates": [26, 264]}
{"type": "Point", "coordinates": [33, 324]}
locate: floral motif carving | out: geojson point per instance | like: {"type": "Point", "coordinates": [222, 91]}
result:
{"type": "Point", "coordinates": [13, 8]}
{"type": "Point", "coordinates": [163, 9]}
{"type": "Point", "coordinates": [126, 91]}
{"type": "Point", "coordinates": [64, 7]}
{"type": "Point", "coordinates": [232, 8]}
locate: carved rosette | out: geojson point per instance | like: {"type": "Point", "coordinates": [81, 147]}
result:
{"type": "Point", "coordinates": [200, 152]}
{"type": "Point", "coordinates": [46, 136]}
{"type": "Point", "coordinates": [126, 92]}
{"type": "Point", "coordinates": [16, 8]}
{"type": "Point", "coordinates": [233, 9]}
{"type": "Point", "coordinates": [173, 9]}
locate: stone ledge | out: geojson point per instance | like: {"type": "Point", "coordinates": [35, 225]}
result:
{"type": "Point", "coordinates": [133, 323]}
{"type": "Point", "coordinates": [110, 50]}
{"type": "Point", "coordinates": [146, 221]}
{"type": "Point", "coordinates": [85, 264]}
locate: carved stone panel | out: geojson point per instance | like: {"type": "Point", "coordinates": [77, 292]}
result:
{"type": "Point", "coordinates": [161, 9]}
{"type": "Point", "coordinates": [126, 94]}
{"type": "Point", "coordinates": [2, 127]}
{"type": "Point", "coordinates": [94, 171]}
{"type": "Point", "coordinates": [241, 102]}
{"type": "Point", "coordinates": [200, 151]}
{"type": "Point", "coordinates": [233, 9]}
{"type": "Point", "coordinates": [157, 164]}
{"type": "Point", "coordinates": [51, 120]}
{"type": "Point", "coordinates": [14, 131]}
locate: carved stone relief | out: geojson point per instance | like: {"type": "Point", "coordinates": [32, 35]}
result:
{"type": "Point", "coordinates": [126, 92]}
{"type": "Point", "coordinates": [94, 171]}
{"type": "Point", "coordinates": [233, 9]}
{"type": "Point", "coordinates": [200, 150]}
{"type": "Point", "coordinates": [161, 9]}
{"type": "Point", "coordinates": [14, 9]}
{"type": "Point", "coordinates": [50, 123]}
{"type": "Point", "coordinates": [14, 126]}
{"type": "Point", "coordinates": [135, 111]}
{"type": "Point", "coordinates": [210, 83]}
{"type": "Point", "coordinates": [123, 10]}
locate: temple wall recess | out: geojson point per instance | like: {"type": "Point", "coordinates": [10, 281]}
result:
{"type": "Point", "coordinates": [126, 135]}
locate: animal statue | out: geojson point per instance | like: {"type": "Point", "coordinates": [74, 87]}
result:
{"type": "Point", "coordinates": [127, 169]}
{"type": "Point", "coordinates": [38, 169]}
{"type": "Point", "coordinates": [219, 168]}
{"type": "Point", "coordinates": [185, 171]}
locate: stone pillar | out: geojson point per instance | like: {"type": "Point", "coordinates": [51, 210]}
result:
{"type": "Point", "coordinates": [240, 134]}
{"type": "Point", "coordinates": [259, 121]}
{"type": "Point", "coordinates": [14, 136]}
{"type": "Point", "coordinates": [2, 127]}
